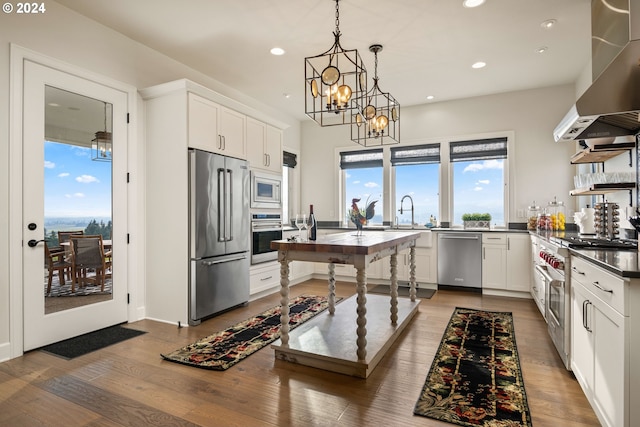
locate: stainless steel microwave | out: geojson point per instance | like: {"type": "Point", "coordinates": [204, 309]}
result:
{"type": "Point", "coordinates": [266, 190]}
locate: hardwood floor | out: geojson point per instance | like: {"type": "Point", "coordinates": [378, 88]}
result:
{"type": "Point", "coordinates": [128, 384]}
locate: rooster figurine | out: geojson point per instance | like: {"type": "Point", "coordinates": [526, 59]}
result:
{"type": "Point", "coordinates": [359, 217]}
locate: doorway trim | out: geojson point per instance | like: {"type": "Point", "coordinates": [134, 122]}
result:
{"type": "Point", "coordinates": [135, 276]}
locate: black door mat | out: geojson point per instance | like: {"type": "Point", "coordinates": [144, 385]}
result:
{"type": "Point", "coordinates": [403, 291]}
{"type": "Point", "coordinates": [83, 344]}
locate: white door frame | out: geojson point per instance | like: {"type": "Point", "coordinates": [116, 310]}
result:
{"type": "Point", "coordinates": [135, 275]}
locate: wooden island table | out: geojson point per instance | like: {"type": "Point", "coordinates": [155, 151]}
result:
{"type": "Point", "coordinates": [338, 340]}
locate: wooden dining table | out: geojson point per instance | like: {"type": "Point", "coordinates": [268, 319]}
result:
{"type": "Point", "coordinates": [353, 337]}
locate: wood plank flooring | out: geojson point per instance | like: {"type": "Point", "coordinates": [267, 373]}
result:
{"type": "Point", "coordinates": [128, 384]}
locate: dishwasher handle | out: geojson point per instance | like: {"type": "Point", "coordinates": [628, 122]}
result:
{"type": "Point", "coordinates": [457, 237]}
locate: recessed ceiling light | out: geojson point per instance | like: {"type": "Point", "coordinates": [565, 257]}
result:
{"type": "Point", "coordinates": [430, 97]}
{"type": "Point", "coordinates": [286, 95]}
{"type": "Point", "coordinates": [479, 64]}
{"type": "Point", "coordinates": [472, 3]}
{"type": "Point", "coordinates": [53, 104]}
{"type": "Point", "coordinates": [548, 24]}
{"type": "Point", "coordinates": [277, 51]}
{"type": "Point", "coordinates": [542, 49]}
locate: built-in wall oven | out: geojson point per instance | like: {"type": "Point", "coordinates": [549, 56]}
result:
{"type": "Point", "coordinates": [266, 190]}
{"type": "Point", "coordinates": [554, 270]}
{"type": "Point", "coordinates": [265, 227]}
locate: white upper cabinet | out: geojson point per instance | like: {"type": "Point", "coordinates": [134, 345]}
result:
{"type": "Point", "coordinates": [215, 128]}
{"type": "Point", "coordinates": [203, 124]}
{"type": "Point", "coordinates": [264, 146]}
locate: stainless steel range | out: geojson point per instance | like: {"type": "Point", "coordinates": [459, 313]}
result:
{"type": "Point", "coordinates": [553, 267]}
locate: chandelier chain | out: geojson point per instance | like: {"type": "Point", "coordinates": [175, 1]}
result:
{"type": "Point", "coordinates": [337, 17]}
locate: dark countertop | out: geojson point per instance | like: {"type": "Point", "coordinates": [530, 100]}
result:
{"type": "Point", "coordinates": [620, 263]}
{"type": "Point", "coordinates": [623, 263]}
{"type": "Point", "coordinates": [481, 230]}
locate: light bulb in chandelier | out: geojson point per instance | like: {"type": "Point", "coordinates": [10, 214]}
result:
{"type": "Point", "coordinates": [344, 95]}
{"type": "Point", "coordinates": [381, 123]}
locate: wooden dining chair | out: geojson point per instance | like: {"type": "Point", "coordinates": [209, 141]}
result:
{"type": "Point", "coordinates": [56, 262]}
{"type": "Point", "coordinates": [87, 254]}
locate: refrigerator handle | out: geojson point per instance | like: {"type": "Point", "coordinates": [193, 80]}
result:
{"type": "Point", "coordinates": [229, 201]}
{"type": "Point", "coordinates": [222, 208]}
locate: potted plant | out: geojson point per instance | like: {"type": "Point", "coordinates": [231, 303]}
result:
{"type": "Point", "coordinates": [476, 220]}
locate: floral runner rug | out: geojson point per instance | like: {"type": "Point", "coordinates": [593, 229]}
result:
{"type": "Point", "coordinates": [224, 349]}
{"type": "Point", "coordinates": [475, 378]}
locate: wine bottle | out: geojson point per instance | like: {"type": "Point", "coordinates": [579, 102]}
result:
{"type": "Point", "coordinates": [314, 225]}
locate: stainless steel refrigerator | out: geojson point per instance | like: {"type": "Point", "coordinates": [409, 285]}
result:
{"type": "Point", "coordinates": [219, 223]}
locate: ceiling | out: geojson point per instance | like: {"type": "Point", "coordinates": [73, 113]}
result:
{"type": "Point", "coordinates": [428, 45]}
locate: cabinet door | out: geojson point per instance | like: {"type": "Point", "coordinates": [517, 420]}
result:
{"type": "Point", "coordinates": [232, 133]}
{"type": "Point", "coordinates": [273, 149]}
{"type": "Point", "coordinates": [494, 273]}
{"type": "Point", "coordinates": [582, 351]}
{"type": "Point", "coordinates": [256, 136]}
{"type": "Point", "coordinates": [609, 370]}
{"type": "Point", "coordinates": [203, 124]}
{"type": "Point", "coordinates": [518, 263]}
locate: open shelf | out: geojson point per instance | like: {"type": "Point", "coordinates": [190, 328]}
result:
{"type": "Point", "coordinates": [601, 153]}
{"type": "Point", "coordinates": [603, 188]}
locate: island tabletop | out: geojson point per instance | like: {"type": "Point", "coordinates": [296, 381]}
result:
{"type": "Point", "coordinates": [359, 251]}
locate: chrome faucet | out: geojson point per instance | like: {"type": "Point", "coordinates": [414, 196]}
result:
{"type": "Point", "coordinates": [401, 211]}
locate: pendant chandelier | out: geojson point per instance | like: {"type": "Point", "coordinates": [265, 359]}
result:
{"type": "Point", "coordinates": [376, 121]}
{"type": "Point", "coordinates": [102, 143]}
{"type": "Point", "coordinates": [333, 80]}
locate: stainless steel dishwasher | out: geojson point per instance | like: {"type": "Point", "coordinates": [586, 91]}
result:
{"type": "Point", "coordinates": [460, 259]}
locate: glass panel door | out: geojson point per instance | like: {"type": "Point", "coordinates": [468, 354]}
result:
{"type": "Point", "coordinates": [77, 198]}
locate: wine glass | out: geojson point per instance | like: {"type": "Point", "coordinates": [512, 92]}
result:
{"type": "Point", "coordinates": [300, 220]}
{"type": "Point", "coordinates": [305, 227]}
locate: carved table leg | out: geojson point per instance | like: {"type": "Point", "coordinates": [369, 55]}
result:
{"type": "Point", "coordinates": [412, 273]}
{"type": "Point", "coordinates": [332, 288]}
{"type": "Point", "coordinates": [394, 289]}
{"type": "Point", "coordinates": [284, 301]}
{"type": "Point", "coordinates": [361, 287]}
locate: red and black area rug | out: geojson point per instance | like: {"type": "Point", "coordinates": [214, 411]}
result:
{"type": "Point", "coordinates": [475, 378]}
{"type": "Point", "coordinates": [224, 349]}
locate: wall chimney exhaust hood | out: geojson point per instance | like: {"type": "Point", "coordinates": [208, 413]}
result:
{"type": "Point", "coordinates": [610, 107]}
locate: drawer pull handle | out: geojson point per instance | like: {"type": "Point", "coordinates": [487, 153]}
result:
{"type": "Point", "coordinates": [266, 278]}
{"type": "Point", "coordinates": [576, 270]}
{"type": "Point", "coordinates": [597, 285]}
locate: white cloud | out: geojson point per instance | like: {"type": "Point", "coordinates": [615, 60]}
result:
{"type": "Point", "coordinates": [483, 181]}
{"type": "Point", "coordinates": [347, 175]}
{"type": "Point", "coordinates": [371, 185]}
{"type": "Point", "coordinates": [356, 182]}
{"type": "Point", "coordinates": [63, 175]}
{"type": "Point", "coordinates": [87, 179]}
{"type": "Point", "coordinates": [49, 165]}
{"type": "Point", "coordinates": [486, 164]}
{"type": "Point", "coordinates": [74, 195]}
{"type": "Point", "coordinates": [477, 189]}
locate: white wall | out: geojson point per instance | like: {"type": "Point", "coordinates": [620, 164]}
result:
{"type": "Point", "coordinates": [541, 166]}
{"type": "Point", "coordinates": [67, 36]}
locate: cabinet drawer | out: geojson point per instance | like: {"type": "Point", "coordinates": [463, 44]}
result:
{"type": "Point", "coordinates": [494, 238]}
{"type": "Point", "coordinates": [610, 289]}
{"type": "Point", "coordinates": [264, 277]}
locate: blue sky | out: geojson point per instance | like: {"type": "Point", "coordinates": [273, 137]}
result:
{"type": "Point", "coordinates": [75, 185]}
{"type": "Point", "coordinates": [478, 186]}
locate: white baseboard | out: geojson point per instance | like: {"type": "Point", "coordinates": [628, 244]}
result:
{"type": "Point", "coordinates": [5, 351]}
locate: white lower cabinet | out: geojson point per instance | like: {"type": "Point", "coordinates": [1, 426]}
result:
{"type": "Point", "coordinates": [506, 262]}
{"type": "Point", "coordinates": [264, 276]}
{"type": "Point", "coordinates": [599, 342]}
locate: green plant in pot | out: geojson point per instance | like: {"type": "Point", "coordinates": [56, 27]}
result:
{"type": "Point", "coordinates": [476, 220]}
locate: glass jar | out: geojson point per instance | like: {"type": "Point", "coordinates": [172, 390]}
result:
{"type": "Point", "coordinates": [557, 214]}
{"type": "Point", "coordinates": [532, 216]}
{"type": "Point", "coordinates": [543, 222]}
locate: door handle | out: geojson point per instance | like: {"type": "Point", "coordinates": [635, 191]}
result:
{"type": "Point", "coordinates": [33, 242]}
